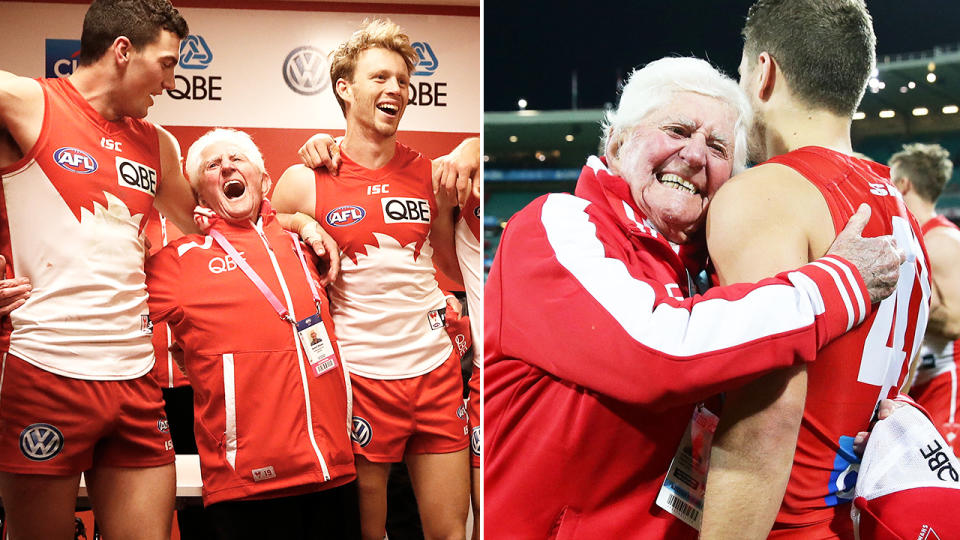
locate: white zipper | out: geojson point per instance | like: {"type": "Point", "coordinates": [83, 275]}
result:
{"type": "Point", "coordinates": [230, 411]}
{"type": "Point", "coordinates": [296, 343]}
{"type": "Point", "coordinates": [163, 243]}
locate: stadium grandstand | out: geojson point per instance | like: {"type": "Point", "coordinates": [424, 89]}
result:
{"type": "Point", "coordinates": [912, 97]}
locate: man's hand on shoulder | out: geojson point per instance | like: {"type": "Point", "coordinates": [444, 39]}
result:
{"type": "Point", "coordinates": [458, 174]}
{"type": "Point", "coordinates": [321, 150]}
{"type": "Point", "coordinates": [878, 259]}
{"type": "Point", "coordinates": [13, 292]}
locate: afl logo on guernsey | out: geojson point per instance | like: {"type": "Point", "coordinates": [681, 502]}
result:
{"type": "Point", "coordinates": [40, 442]}
{"type": "Point", "coordinates": [75, 160]}
{"type": "Point", "coordinates": [362, 432]}
{"type": "Point", "coordinates": [343, 216]}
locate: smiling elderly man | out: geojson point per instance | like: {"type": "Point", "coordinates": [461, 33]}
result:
{"type": "Point", "coordinates": [270, 391]}
{"type": "Point", "coordinates": [595, 357]}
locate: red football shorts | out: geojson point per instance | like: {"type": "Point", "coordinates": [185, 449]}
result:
{"type": "Point", "coordinates": [473, 413]}
{"type": "Point", "coordinates": [55, 425]}
{"type": "Point", "coordinates": [418, 415]}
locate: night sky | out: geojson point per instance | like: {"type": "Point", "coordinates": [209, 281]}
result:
{"type": "Point", "coordinates": [532, 48]}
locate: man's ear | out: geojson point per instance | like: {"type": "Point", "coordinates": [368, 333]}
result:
{"type": "Point", "coordinates": [612, 150]}
{"type": "Point", "coordinates": [768, 73]}
{"type": "Point", "coordinates": [121, 49]}
{"type": "Point", "coordinates": [265, 183]}
{"type": "Point", "coordinates": [903, 185]}
{"type": "Point", "coordinates": [342, 88]}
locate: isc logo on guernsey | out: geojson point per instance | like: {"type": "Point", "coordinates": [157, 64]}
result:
{"type": "Point", "coordinates": [75, 160]}
{"type": "Point", "coordinates": [342, 216]}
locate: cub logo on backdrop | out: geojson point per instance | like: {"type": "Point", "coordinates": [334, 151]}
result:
{"type": "Point", "coordinates": [196, 55]}
{"type": "Point", "coordinates": [61, 57]}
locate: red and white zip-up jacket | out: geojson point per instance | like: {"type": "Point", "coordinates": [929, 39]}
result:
{"type": "Point", "coordinates": [594, 359]}
{"type": "Point", "coordinates": [265, 425]}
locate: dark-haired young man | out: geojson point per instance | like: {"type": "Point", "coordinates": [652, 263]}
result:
{"type": "Point", "coordinates": [81, 169]}
{"type": "Point", "coordinates": [920, 171]}
{"type": "Point", "coordinates": [805, 67]}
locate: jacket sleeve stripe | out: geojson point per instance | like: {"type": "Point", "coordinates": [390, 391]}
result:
{"type": "Point", "coordinates": [844, 295]}
{"type": "Point", "coordinates": [744, 314]}
{"type": "Point", "coordinates": [851, 283]}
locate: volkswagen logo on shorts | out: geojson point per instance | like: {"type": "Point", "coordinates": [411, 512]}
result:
{"type": "Point", "coordinates": [306, 71]}
{"type": "Point", "coordinates": [475, 441]}
{"type": "Point", "coordinates": [361, 431]}
{"type": "Point", "coordinates": [40, 442]}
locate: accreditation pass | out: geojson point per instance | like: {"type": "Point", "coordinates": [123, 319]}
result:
{"type": "Point", "coordinates": [317, 345]}
{"type": "Point", "coordinates": [682, 491]}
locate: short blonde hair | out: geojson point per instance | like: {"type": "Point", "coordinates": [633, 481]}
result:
{"type": "Point", "coordinates": [233, 136]}
{"type": "Point", "coordinates": [373, 34]}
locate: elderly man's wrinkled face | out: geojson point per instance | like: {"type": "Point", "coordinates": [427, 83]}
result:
{"type": "Point", "coordinates": [676, 159]}
{"type": "Point", "coordinates": [230, 184]}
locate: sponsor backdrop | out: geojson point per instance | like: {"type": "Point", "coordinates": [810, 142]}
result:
{"type": "Point", "coordinates": [267, 71]}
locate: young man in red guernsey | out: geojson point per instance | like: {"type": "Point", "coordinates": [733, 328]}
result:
{"type": "Point", "coordinates": [81, 169]}
{"type": "Point", "coordinates": [388, 309]}
{"type": "Point", "coordinates": [805, 68]}
{"type": "Point", "coordinates": [919, 172]}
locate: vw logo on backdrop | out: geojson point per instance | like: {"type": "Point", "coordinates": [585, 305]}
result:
{"type": "Point", "coordinates": [306, 71]}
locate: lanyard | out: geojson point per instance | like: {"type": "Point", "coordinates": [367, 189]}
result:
{"type": "Point", "coordinates": [258, 282]}
{"type": "Point", "coordinates": [306, 271]}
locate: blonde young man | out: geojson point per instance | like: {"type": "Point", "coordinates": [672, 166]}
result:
{"type": "Point", "coordinates": [381, 209]}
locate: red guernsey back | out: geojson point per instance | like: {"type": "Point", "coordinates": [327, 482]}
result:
{"type": "Point", "coordinates": [852, 374]}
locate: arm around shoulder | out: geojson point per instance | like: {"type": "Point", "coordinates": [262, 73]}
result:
{"type": "Point", "coordinates": [175, 198]}
{"type": "Point", "coordinates": [752, 233]}
{"type": "Point", "coordinates": [296, 191]}
{"type": "Point", "coordinates": [943, 248]}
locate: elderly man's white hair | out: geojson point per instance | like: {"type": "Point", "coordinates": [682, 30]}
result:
{"type": "Point", "coordinates": [652, 86]}
{"type": "Point", "coordinates": [240, 139]}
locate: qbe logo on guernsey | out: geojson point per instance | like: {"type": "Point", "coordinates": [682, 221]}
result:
{"type": "Point", "coordinates": [196, 55]}
{"type": "Point", "coordinates": [405, 210]}
{"type": "Point", "coordinates": [61, 57]}
{"type": "Point", "coordinates": [427, 93]}
{"type": "Point", "coordinates": [136, 175]}
{"type": "Point", "coordinates": [306, 71]}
